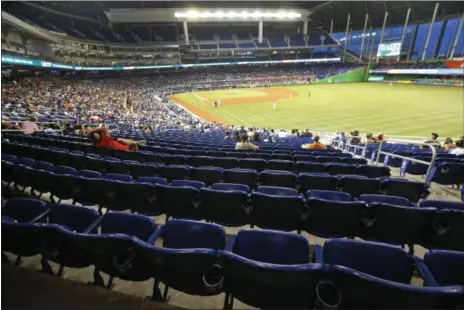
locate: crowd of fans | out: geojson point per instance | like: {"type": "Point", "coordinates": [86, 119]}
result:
{"type": "Point", "coordinates": [34, 104]}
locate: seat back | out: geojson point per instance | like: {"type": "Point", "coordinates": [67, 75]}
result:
{"type": "Point", "coordinates": [328, 195]}
{"type": "Point", "coordinates": [273, 247]}
{"type": "Point", "coordinates": [23, 210]}
{"type": "Point", "coordinates": [392, 200]}
{"type": "Point", "coordinates": [72, 217]}
{"type": "Point", "coordinates": [442, 205]}
{"type": "Point", "coordinates": [135, 225]}
{"type": "Point", "coordinates": [447, 267]}
{"type": "Point", "coordinates": [187, 234]}
{"type": "Point", "coordinates": [376, 259]}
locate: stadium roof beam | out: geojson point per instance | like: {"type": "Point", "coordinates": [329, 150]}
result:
{"type": "Point", "coordinates": [205, 15]}
{"type": "Point", "coordinates": [427, 39]}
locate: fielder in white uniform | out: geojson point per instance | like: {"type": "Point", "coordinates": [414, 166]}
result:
{"type": "Point", "coordinates": [274, 105]}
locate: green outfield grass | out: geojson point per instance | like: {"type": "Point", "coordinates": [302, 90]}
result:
{"type": "Point", "coordinates": [407, 110]}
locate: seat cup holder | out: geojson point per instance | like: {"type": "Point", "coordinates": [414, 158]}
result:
{"type": "Point", "coordinates": [369, 218]}
{"type": "Point", "coordinates": [123, 261]}
{"type": "Point", "coordinates": [439, 226]}
{"type": "Point", "coordinates": [214, 279]}
{"type": "Point", "coordinates": [328, 297]}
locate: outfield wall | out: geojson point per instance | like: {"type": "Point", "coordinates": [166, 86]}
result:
{"type": "Point", "coordinates": [416, 81]}
{"type": "Point", "coordinates": [354, 76]}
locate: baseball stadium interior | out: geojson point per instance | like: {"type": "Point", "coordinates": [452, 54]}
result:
{"type": "Point", "coordinates": [232, 155]}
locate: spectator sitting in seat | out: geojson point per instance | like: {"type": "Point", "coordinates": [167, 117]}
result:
{"type": "Point", "coordinates": [433, 140]}
{"type": "Point", "coordinates": [448, 144]}
{"type": "Point", "coordinates": [237, 136]}
{"type": "Point", "coordinates": [316, 145]}
{"type": "Point", "coordinates": [244, 145]}
{"type": "Point", "coordinates": [355, 138]}
{"type": "Point", "coordinates": [380, 137]}
{"type": "Point", "coordinates": [256, 137]}
{"type": "Point", "coordinates": [29, 127]}
{"type": "Point", "coordinates": [459, 149]}
{"type": "Point", "coordinates": [101, 139]}
{"type": "Point", "coordinates": [368, 139]}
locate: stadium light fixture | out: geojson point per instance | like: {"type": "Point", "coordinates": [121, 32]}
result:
{"type": "Point", "coordinates": [232, 14]}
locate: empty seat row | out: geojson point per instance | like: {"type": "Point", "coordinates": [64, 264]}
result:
{"type": "Point", "coordinates": [353, 184]}
{"type": "Point", "coordinates": [80, 160]}
{"type": "Point", "coordinates": [181, 148]}
{"type": "Point", "coordinates": [269, 207]}
{"type": "Point", "coordinates": [262, 268]}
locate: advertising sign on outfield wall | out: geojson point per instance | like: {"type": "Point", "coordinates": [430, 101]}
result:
{"type": "Point", "coordinates": [12, 60]}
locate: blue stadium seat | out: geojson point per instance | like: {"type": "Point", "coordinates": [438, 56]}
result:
{"type": "Point", "coordinates": [176, 160]}
{"type": "Point", "coordinates": [384, 271]}
{"type": "Point", "coordinates": [174, 172]}
{"type": "Point", "coordinates": [201, 161]}
{"type": "Point", "coordinates": [413, 168]}
{"type": "Point", "coordinates": [277, 208]}
{"type": "Point", "coordinates": [270, 269]}
{"type": "Point", "coordinates": [112, 250]}
{"type": "Point", "coordinates": [226, 204]}
{"type": "Point", "coordinates": [59, 246]}
{"type": "Point", "coordinates": [329, 159]}
{"type": "Point", "coordinates": [140, 196]}
{"type": "Point", "coordinates": [372, 171]}
{"type": "Point", "coordinates": [354, 161]}
{"type": "Point", "coordinates": [445, 268]}
{"type": "Point", "coordinates": [253, 163]}
{"type": "Point", "coordinates": [442, 205]}
{"type": "Point", "coordinates": [241, 176]}
{"type": "Point", "coordinates": [331, 218]}
{"type": "Point", "coordinates": [322, 181]}
{"type": "Point", "coordinates": [357, 185]}
{"type": "Point", "coordinates": [181, 199]}
{"type": "Point", "coordinates": [404, 188]}
{"type": "Point", "coordinates": [448, 228]}
{"type": "Point", "coordinates": [277, 178]}
{"type": "Point", "coordinates": [339, 168]}
{"type": "Point", "coordinates": [447, 174]}
{"type": "Point", "coordinates": [286, 165]}
{"type": "Point", "coordinates": [411, 224]}
{"type": "Point", "coordinates": [392, 200]}
{"type": "Point", "coordinates": [328, 195]}
{"type": "Point", "coordinates": [312, 167]}
{"type": "Point", "coordinates": [207, 175]}
{"type": "Point", "coordinates": [226, 162]}
{"type": "Point", "coordinates": [187, 258]}
{"type": "Point", "coordinates": [19, 235]}
{"type": "Point", "coordinates": [144, 170]}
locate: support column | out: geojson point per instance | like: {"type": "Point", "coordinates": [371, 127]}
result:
{"type": "Point", "coordinates": [331, 26]}
{"type": "Point", "coordinates": [405, 28]}
{"type": "Point", "coordinates": [426, 45]}
{"type": "Point", "coordinates": [383, 27]}
{"type": "Point", "coordinates": [363, 36]}
{"type": "Point", "coordinates": [346, 35]}
{"type": "Point", "coordinates": [260, 32]}
{"type": "Point", "coordinates": [458, 34]}
{"type": "Point", "coordinates": [305, 28]}
{"type": "Point", "coordinates": [186, 32]}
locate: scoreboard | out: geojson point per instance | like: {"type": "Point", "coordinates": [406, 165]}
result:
{"type": "Point", "coordinates": [389, 49]}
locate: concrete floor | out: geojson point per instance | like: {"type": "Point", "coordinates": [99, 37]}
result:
{"type": "Point", "coordinates": [180, 299]}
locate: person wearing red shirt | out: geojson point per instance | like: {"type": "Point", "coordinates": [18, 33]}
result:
{"type": "Point", "coordinates": [101, 138]}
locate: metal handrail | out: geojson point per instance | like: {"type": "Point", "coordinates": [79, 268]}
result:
{"type": "Point", "coordinates": [430, 164]}
{"type": "Point", "coordinates": [363, 147]}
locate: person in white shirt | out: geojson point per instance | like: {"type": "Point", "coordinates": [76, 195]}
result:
{"type": "Point", "coordinates": [459, 149]}
{"type": "Point", "coordinates": [282, 134]}
{"type": "Point", "coordinates": [274, 105]}
{"type": "Point", "coordinates": [244, 145]}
